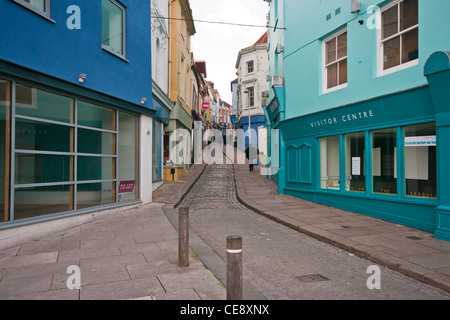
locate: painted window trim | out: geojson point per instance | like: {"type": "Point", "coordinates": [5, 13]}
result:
{"type": "Point", "coordinates": [44, 14]}
{"type": "Point", "coordinates": [383, 72]}
{"type": "Point", "coordinates": [324, 65]}
{"type": "Point", "coordinates": [124, 35]}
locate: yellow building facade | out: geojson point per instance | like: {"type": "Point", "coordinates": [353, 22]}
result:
{"type": "Point", "coordinates": [181, 28]}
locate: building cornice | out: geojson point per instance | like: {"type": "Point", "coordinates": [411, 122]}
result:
{"type": "Point", "coordinates": [248, 50]}
{"type": "Point", "coordinates": [187, 12]}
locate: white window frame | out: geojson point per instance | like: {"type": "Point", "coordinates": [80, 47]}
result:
{"type": "Point", "coordinates": [45, 13]}
{"type": "Point", "coordinates": [401, 66]}
{"type": "Point", "coordinates": [325, 88]}
{"type": "Point", "coordinates": [124, 38]}
{"type": "Point", "coordinates": [251, 97]}
{"type": "Point", "coordinates": [253, 66]}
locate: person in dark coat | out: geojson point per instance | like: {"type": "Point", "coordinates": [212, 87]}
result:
{"type": "Point", "coordinates": [250, 153]}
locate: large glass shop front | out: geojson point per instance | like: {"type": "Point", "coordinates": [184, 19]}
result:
{"type": "Point", "coordinates": [59, 154]}
{"type": "Point", "coordinates": [419, 164]}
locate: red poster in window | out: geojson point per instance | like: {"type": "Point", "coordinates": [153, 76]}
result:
{"type": "Point", "coordinates": [126, 186]}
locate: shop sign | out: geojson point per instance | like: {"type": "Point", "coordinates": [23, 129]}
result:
{"type": "Point", "coordinates": [126, 186]}
{"type": "Point", "coordinates": [425, 141]}
{"type": "Point", "coordinates": [206, 105]}
{"type": "Point", "coordinates": [344, 118]}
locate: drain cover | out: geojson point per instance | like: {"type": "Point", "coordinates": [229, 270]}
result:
{"type": "Point", "coordinates": [312, 278]}
{"type": "Point", "coordinates": [414, 238]}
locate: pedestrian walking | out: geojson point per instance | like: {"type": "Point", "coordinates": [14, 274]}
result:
{"type": "Point", "coordinates": [250, 152]}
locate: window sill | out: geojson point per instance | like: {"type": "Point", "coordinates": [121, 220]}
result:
{"type": "Point", "coordinates": [342, 86]}
{"type": "Point", "coordinates": [45, 15]}
{"type": "Point", "coordinates": [400, 67]}
{"type": "Point", "coordinates": [107, 49]}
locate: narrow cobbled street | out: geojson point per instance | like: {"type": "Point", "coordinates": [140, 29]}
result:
{"type": "Point", "coordinates": [281, 263]}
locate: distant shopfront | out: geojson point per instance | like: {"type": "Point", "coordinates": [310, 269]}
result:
{"type": "Point", "coordinates": [63, 154]}
{"type": "Point", "coordinates": [379, 157]}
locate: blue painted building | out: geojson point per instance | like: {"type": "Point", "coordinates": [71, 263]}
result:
{"type": "Point", "coordinates": [360, 95]}
{"type": "Point", "coordinates": [76, 107]}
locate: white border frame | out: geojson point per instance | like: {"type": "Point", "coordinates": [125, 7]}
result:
{"type": "Point", "coordinates": [246, 67]}
{"type": "Point", "coordinates": [324, 67]}
{"type": "Point", "coordinates": [380, 52]}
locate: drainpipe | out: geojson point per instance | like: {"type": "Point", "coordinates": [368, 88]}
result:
{"type": "Point", "coordinates": [269, 139]}
{"type": "Point", "coordinates": [279, 89]}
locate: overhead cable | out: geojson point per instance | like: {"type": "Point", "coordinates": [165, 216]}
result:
{"type": "Point", "coordinates": [217, 22]}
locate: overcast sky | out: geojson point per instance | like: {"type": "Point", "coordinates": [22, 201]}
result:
{"type": "Point", "coordinates": [218, 44]}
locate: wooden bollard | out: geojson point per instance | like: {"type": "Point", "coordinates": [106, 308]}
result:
{"type": "Point", "coordinates": [183, 237]}
{"type": "Point", "coordinates": [234, 268]}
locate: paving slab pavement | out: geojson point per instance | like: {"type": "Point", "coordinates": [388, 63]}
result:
{"type": "Point", "coordinates": [129, 253]}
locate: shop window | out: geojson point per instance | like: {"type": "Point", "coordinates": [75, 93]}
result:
{"type": "Point", "coordinates": [95, 168]}
{"type": "Point", "coordinates": [128, 157]}
{"type": "Point", "coordinates": [156, 151]}
{"type": "Point", "coordinates": [44, 153]}
{"type": "Point", "coordinates": [61, 165]}
{"type": "Point", "coordinates": [355, 162]}
{"type": "Point", "coordinates": [335, 61]}
{"type": "Point", "coordinates": [399, 35]}
{"type": "Point", "coordinates": [37, 103]}
{"type": "Point", "coordinates": [38, 201]}
{"type": "Point", "coordinates": [91, 115]}
{"type": "Point", "coordinates": [5, 121]}
{"type": "Point", "coordinates": [42, 168]}
{"type": "Point", "coordinates": [96, 142]}
{"type": "Point", "coordinates": [113, 27]}
{"type": "Point", "coordinates": [329, 163]}
{"type": "Point", "coordinates": [42, 136]}
{"type": "Point", "coordinates": [420, 160]}
{"type": "Point", "coordinates": [384, 161]}
{"type": "Point", "coordinates": [95, 194]}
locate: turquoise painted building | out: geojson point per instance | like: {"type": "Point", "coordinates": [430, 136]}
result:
{"type": "Point", "coordinates": [360, 95]}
